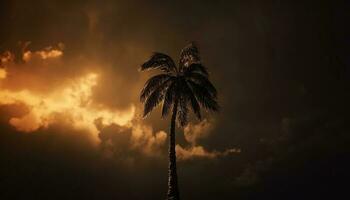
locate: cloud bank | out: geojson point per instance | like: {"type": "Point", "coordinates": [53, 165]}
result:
{"type": "Point", "coordinates": [70, 102]}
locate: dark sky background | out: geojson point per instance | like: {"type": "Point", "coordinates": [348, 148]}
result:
{"type": "Point", "coordinates": [281, 69]}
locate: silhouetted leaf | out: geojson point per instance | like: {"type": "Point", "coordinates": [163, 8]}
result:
{"type": "Point", "coordinates": [159, 61]}
{"type": "Point", "coordinates": [196, 68]}
{"type": "Point", "coordinates": [194, 103]}
{"type": "Point", "coordinates": [152, 84]}
{"type": "Point", "coordinates": [169, 99]}
{"type": "Point", "coordinates": [204, 82]}
{"type": "Point", "coordinates": [203, 96]}
{"type": "Point", "coordinates": [155, 98]}
{"type": "Point", "coordinates": [183, 110]}
{"type": "Point", "coordinates": [189, 55]}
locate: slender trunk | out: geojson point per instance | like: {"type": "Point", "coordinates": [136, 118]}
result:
{"type": "Point", "coordinates": [173, 190]}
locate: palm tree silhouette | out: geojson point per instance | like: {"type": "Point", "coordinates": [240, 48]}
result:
{"type": "Point", "coordinates": [178, 88]}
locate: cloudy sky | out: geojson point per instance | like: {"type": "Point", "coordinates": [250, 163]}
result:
{"type": "Point", "coordinates": [70, 116]}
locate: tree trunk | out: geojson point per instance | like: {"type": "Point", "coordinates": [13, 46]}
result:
{"type": "Point", "coordinates": [173, 190]}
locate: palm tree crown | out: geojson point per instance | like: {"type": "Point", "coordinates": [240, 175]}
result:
{"type": "Point", "coordinates": [179, 86]}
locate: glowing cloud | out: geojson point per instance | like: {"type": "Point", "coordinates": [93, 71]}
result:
{"type": "Point", "coordinates": [47, 53]}
{"type": "Point", "coordinates": [194, 132]}
{"type": "Point", "coordinates": [150, 143]}
{"type": "Point", "coordinates": [200, 152]}
{"type": "Point", "coordinates": [6, 57]}
{"type": "Point", "coordinates": [73, 102]}
{"type": "Point", "coordinates": [69, 102]}
{"type": "Point", "coordinates": [3, 73]}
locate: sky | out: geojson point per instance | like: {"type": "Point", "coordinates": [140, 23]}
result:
{"type": "Point", "coordinates": [71, 123]}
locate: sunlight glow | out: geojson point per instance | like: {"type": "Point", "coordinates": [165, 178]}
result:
{"type": "Point", "coordinates": [72, 103]}
{"type": "Point", "coordinates": [3, 73]}
{"type": "Point", "coordinates": [44, 54]}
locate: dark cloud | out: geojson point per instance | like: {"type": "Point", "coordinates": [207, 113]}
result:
{"type": "Point", "coordinates": [280, 68]}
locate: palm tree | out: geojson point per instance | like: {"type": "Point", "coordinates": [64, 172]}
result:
{"type": "Point", "coordinates": [178, 88]}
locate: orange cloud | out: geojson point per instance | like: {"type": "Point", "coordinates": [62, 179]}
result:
{"type": "Point", "coordinates": [143, 137]}
{"type": "Point", "coordinates": [69, 101]}
{"type": "Point", "coordinates": [192, 152]}
{"type": "Point", "coordinates": [6, 57]}
{"type": "Point", "coordinates": [200, 152]}
{"type": "Point", "coordinates": [3, 73]}
{"type": "Point", "coordinates": [193, 133]}
{"type": "Point", "coordinates": [47, 53]}
{"type": "Point", "coordinates": [72, 101]}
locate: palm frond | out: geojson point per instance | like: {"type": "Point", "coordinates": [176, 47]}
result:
{"type": "Point", "coordinates": [155, 98]}
{"type": "Point", "coordinates": [204, 82]}
{"type": "Point", "coordinates": [169, 99]}
{"type": "Point", "coordinates": [203, 96]}
{"type": "Point", "coordinates": [183, 111]}
{"type": "Point", "coordinates": [159, 61]}
{"type": "Point", "coordinates": [152, 84]}
{"type": "Point", "coordinates": [196, 68]}
{"type": "Point", "coordinates": [194, 103]}
{"type": "Point", "coordinates": [189, 55]}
